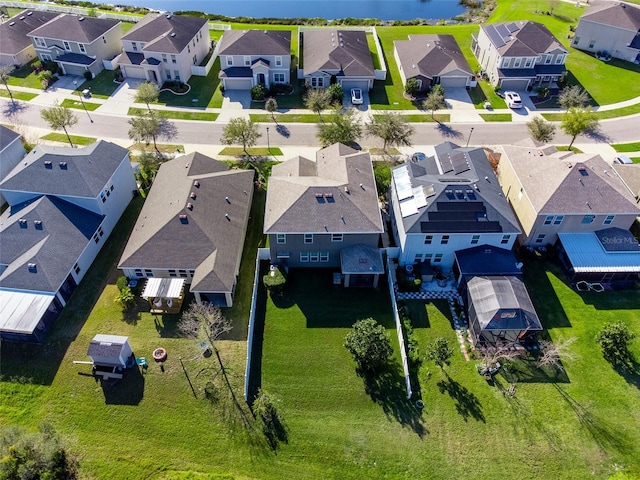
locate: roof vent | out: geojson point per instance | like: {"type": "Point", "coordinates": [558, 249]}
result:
{"type": "Point", "coordinates": [318, 195]}
{"type": "Point", "coordinates": [38, 224]}
{"type": "Point", "coordinates": [193, 195]}
{"type": "Point", "coordinates": [12, 24]}
{"type": "Point", "coordinates": [475, 185]}
{"type": "Point", "coordinates": [362, 186]}
{"type": "Point", "coordinates": [190, 206]}
{"type": "Point", "coordinates": [173, 34]}
{"type": "Point", "coordinates": [183, 218]}
{"type": "Point", "coordinates": [226, 199]}
{"type": "Point", "coordinates": [346, 190]}
{"type": "Point", "coordinates": [80, 19]}
{"type": "Point", "coordinates": [32, 267]}
{"type": "Point", "coordinates": [23, 223]}
{"type": "Point", "coordinates": [168, 15]}
{"type": "Point", "coordinates": [48, 164]}
{"type": "Point", "coordinates": [226, 215]}
{"type": "Point", "coordinates": [196, 184]}
{"type": "Point", "coordinates": [22, 17]}
{"type": "Point", "coordinates": [63, 165]}
{"type": "Point", "coordinates": [328, 195]}
{"type": "Point", "coordinates": [29, 14]}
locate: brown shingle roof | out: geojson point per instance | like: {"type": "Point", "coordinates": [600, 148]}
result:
{"type": "Point", "coordinates": [13, 32]}
{"type": "Point", "coordinates": [165, 33]}
{"type": "Point", "coordinates": [74, 28]}
{"type": "Point", "coordinates": [616, 14]}
{"type": "Point", "coordinates": [255, 42]}
{"type": "Point", "coordinates": [519, 39]}
{"type": "Point", "coordinates": [346, 51]}
{"type": "Point", "coordinates": [430, 55]}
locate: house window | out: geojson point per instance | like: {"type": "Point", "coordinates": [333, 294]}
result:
{"type": "Point", "coordinates": [96, 238]}
{"type": "Point", "coordinates": [428, 257]}
{"type": "Point", "coordinates": [517, 62]}
{"type": "Point", "coordinates": [608, 219]}
{"type": "Point", "coordinates": [336, 237]}
{"type": "Point", "coordinates": [281, 238]}
{"type": "Point", "coordinates": [438, 258]}
{"type": "Point", "coordinates": [592, 43]}
{"type": "Point", "coordinates": [67, 47]}
{"type": "Point", "coordinates": [188, 48]}
{"type": "Point", "coordinates": [324, 256]}
{"type": "Point", "coordinates": [506, 62]}
{"type": "Point", "coordinates": [417, 258]}
{"type": "Point", "coordinates": [559, 59]}
{"type": "Point", "coordinates": [540, 238]}
{"type": "Point", "coordinates": [278, 61]}
{"type": "Point", "coordinates": [247, 61]}
{"type": "Point", "coordinates": [168, 72]}
{"type": "Point", "coordinates": [173, 59]}
{"type": "Point", "coordinates": [46, 57]}
{"type": "Point", "coordinates": [278, 77]}
{"type": "Point", "coordinates": [182, 273]}
{"type": "Point", "coordinates": [475, 239]}
{"type": "Point", "coordinates": [173, 273]}
{"type": "Point", "coordinates": [164, 57]}
{"type": "Point", "coordinates": [148, 272]}
{"type": "Point", "coordinates": [195, 59]}
{"type": "Point", "coordinates": [134, 45]}
{"type": "Point", "coordinates": [576, 40]}
{"type": "Point", "coordinates": [527, 63]}
{"type": "Point", "coordinates": [40, 42]}
{"type": "Point", "coordinates": [505, 239]}
{"type": "Point", "coordinates": [103, 197]}
{"type": "Point", "coordinates": [76, 268]}
{"type": "Point", "coordinates": [176, 75]}
{"type": "Point", "coordinates": [138, 272]}
{"type": "Point", "coordinates": [314, 256]}
{"type": "Point", "coordinates": [549, 220]}
{"type": "Point", "coordinates": [229, 60]}
{"type": "Point", "coordinates": [304, 256]}
{"type": "Point", "coordinates": [445, 240]}
{"type": "Point", "coordinates": [558, 220]}
{"type": "Point", "coordinates": [193, 42]}
{"type": "Point", "coordinates": [308, 238]}
{"type": "Point", "coordinates": [104, 40]}
{"type": "Point", "coordinates": [81, 47]}
{"type": "Point", "coordinates": [428, 239]}
{"type": "Point", "coordinates": [100, 231]}
{"type": "Point", "coordinates": [192, 273]}
{"type": "Point", "coordinates": [588, 218]}
{"type": "Point", "coordinates": [547, 59]}
{"type": "Point", "coordinates": [317, 82]}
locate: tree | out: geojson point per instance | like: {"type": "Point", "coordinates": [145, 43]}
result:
{"type": "Point", "coordinates": [125, 297]}
{"type": "Point", "coordinates": [540, 130]}
{"type": "Point", "coordinates": [543, 91]}
{"type": "Point", "coordinates": [551, 353]}
{"type": "Point", "coordinates": [317, 100]}
{"type": "Point", "coordinates": [439, 352]}
{"type": "Point", "coordinates": [369, 344]}
{"type": "Point", "coordinates": [411, 86]}
{"type": "Point", "coordinates": [391, 128]}
{"type": "Point", "coordinates": [336, 93]}
{"type": "Point", "coordinates": [382, 174]}
{"type": "Point", "coordinates": [344, 128]}
{"type": "Point", "coordinates": [434, 100]}
{"type": "Point", "coordinates": [40, 455]}
{"type": "Point", "coordinates": [146, 127]}
{"type": "Point", "coordinates": [614, 340]}
{"type": "Point", "coordinates": [240, 131]}
{"type": "Point", "coordinates": [578, 120]}
{"type": "Point", "coordinates": [148, 166]}
{"type": "Point", "coordinates": [266, 411]}
{"type": "Point", "coordinates": [271, 106]}
{"type": "Point", "coordinates": [5, 73]}
{"type": "Point", "coordinates": [553, 4]}
{"type": "Point", "coordinates": [59, 117]}
{"type": "Point", "coordinates": [573, 96]}
{"type": "Point", "coordinates": [147, 92]}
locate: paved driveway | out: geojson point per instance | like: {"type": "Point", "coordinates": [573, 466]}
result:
{"type": "Point", "coordinates": [122, 98]}
{"type": "Point", "coordinates": [458, 99]}
{"type": "Point", "coordinates": [233, 104]}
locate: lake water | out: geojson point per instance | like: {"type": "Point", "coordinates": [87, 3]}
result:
{"type": "Point", "coordinates": [330, 9]}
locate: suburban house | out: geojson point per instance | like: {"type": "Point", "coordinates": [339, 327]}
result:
{"type": "Point", "coordinates": [252, 57]}
{"type": "Point", "coordinates": [324, 213]}
{"type": "Point", "coordinates": [612, 28]}
{"type": "Point", "coordinates": [11, 152]}
{"type": "Point", "coordinates": [163, 47]}
{"type": "Point", "coordinates": [433, 60]}
{"type": "Point", "coordinates": [519, 55]}
{"type": "Point", "coordinates": [191, 230]}
{"type": "Point", "coordinates": [629, 175]}
{"type": "Point", "coordinates": [15, 47]}
{"type": "Point", "coordinates": [77, 44]}
{"type": "Point", "coordinates": [448, 202]}
{"type": "Point", "coordinates": [63, 205]}
{"type": "Point", "coordinates": [337, 56]}
{"type": "Point", "coordinates": [556, 192]}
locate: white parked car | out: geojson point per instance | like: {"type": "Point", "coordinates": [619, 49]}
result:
{"type": "Point", "coordinates": [622, 159]}
{"type": "Point", "coordinates": [356, 96]}
{"type": "Point", "coordinates": [513, 99]}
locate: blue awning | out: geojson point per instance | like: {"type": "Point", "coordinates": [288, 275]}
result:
{"type": "Point", "coordinates": [590, 252]}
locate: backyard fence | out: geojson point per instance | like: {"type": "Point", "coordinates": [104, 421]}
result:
{"type": "Point", "coordinates": [263, 254]}
{"type": "Point", "coordinates": [403, 349]}
{"type": "Point", "coordinates": [203, 70]}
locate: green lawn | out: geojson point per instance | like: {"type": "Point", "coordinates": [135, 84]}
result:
{"type": "Point", "coordinates": [24, 77]}
{"type": "Point", "coordinates": [626, 147]}
{"type": "Point", "coordinates": [255, 151]}
{"type": "Point", "coordinates": [565, 148]}
{"type": "Point", "coordinates": [102, 86]}
{"type": "Point", "coordinates": [75, 139]}
{"type": "Point", "coordinates": [178, 115]}
{"type": "Point", "coordinates": [603, 115]}
{"type": "Point", "coordinates": [162, 147]}
{"type": "Point", "coordinates": [496, 117]}
{"type": "Point", "coordinates": [204, 92]}
{"type": "Point", "coordinates": [70, 103]}
{"type": "Point", "coordinates": [285, 118]}
{"type": "Point", "coordinates": [635, 159]}
{"type": "Point", "coordinates": [24, 96]}
{"type": "Point", "coordinates": [423, 117]}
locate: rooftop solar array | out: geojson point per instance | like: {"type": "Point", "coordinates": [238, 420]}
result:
{"type": "Point", "coordinates": [411, 198]}
{"type": "Point", "coordinates": [456, 163]}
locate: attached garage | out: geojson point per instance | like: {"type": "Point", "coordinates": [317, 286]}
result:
{"type": "Point", "coordinates": [129, 71]}
{"type": "Point", "coordinates": [237, 83]}
{"type": "Point", "coordinates": [514, 83]}
{"type": "Point", "coordinates": [453, 82]}
{"type": "Point", "coordinates": [349, 84]}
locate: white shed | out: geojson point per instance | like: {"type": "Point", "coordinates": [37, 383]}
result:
{"type": "Point", "coordinates": [110, 350]}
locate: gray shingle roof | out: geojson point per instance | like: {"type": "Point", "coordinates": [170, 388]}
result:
{"type": "Point", "coordinates": [462, 194]}
{"type": "Point", "coordinates": [208, 242]}
{"type": "Point", "coordinates": [616, 14]}
{"type": "Point", "coordinates": [74, 28]}
{"type": "Point", "coordinates": [76, 58]}
{"type": "Point", "coordinates": [7, 137]}
{"type": "Point", "coordinates": [344, 50]}
{"type": "Point", "coordinates": [53, 246]}
{"type": "Point", "coordinates": [568, 183]}
{"type": "Point", "coordinates": [255, 42]}
{"type": "Point", "coordinates": [334, 193]}
{"type": "Point", "coordinates": [431, 56]}
{"type": "Point", "coordinates": [165, 33]}
{"type": "Point", "coordinates": [520, 39]}
{"type": "Point", "coordinates": [13, 32]}
{"type": "Point", "coordinates": [83, 173]}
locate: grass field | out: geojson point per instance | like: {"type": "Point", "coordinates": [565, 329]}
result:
{"type": "Point", "coordinates": [75, 139]}
{"type": "Point", "coordinates": [102, 85]}
{"type": "Point", "coordinates": [285, 118]}
{"type": "Point", "coordinates": [204, 92]}
{"type": "Point", "coordinates": [77, 104]}
{"type": "Point", "coordinates": [25, 77]}
{"type": "Point", "coordinates": [175, 114]}
{"type": "Point", "coordinates": [256, 151]}
{"type": "Point", "coordinates": [24, 96]}
{"type": "Point", "coordinates": [496, 117]}
{"type": "Point", "coordinates": [626, 147]}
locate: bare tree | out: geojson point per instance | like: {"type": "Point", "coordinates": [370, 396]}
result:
{"type": "Point", "coordinates": [501, 352]}
{"type": "Point", "coordinates": [552, 353]}
{"type": "Point", "coordinates": [553, 4]}
{"type": "Point", "coordinates": [5, 71]}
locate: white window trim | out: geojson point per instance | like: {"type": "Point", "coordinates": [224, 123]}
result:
{"type": "Point", "coordinates": [66, 45]}
{"type": "Point", "coordinates": [229, 61]}
{"type": "Point", "coordinates": [308, 238]}
{"type": "Point", "coordinates": [506, 62]}
{"type": "Point", "coordinates": [278, 61]}
{"type": "Point", "coordinates": [281, 238]}
{"type": "Point", "coordinates": [82, 48]}
{"type": "Point", "coordinates": [247, 61]}
{"type": "Point", "coordinates": [324, 256]}
{"type": "Point", "coordinates": [517, 62]}
{"type": "Point", "coordinates": [304, 257]}
{"type": "Point", "coordinates": [337, 237]}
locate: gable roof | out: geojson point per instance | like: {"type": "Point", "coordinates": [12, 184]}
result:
{"type": "Point", "coordinates": [431, 56]}
{"type": "Point", "coordinates": [107, 346]}
{"type": "Point", "coordinates": [13, 32]}
{"type": "Point", "coordinates": [81, 172]}
{"type": "Point", "coordinates": [74, 28]}
{"type": "Point", "coordinates": [568, 183]}
{"type": "Point", "coordinates": [7, 137]}
{"type": "Point", "coordinates": [346, 51]}
{"type": "Point", "coordinates": [616, 14]}
{"type": "Point", "coordinates": [456, 191]}
{"type": "Point", "coordinates": [165, 32]}
{"type": "Point", "coordinates": [47, 232]}
{"type": "Point", "coordinates": [255, 42]}
{"type": "Point", "coordinates": [206, 241]}
{"type": "Point", "coordinates": [521, 39]}
{"type": "Point", "coordinates": [336, 192]}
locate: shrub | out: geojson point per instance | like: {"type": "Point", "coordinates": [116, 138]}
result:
{"type": "Point", "coordinates": [411, 86]}
{"type": "Point", "coordinates": [258, 92]}
{"type": "Point", "coordinates": [126, 298]}
{"type": "Point", "coordinates": [275, 280]}
{"type": "Point", "coordinates": [51, 66]}
{"type": "Point", "coordinates": [88, 75]}
{"type": "Point", "coordinates": [122, 283]}
{"type": "Point", "coordinates": [614, 341]}
{"type": "Point", "coordinates": [369, 344]}
{"type": "Point", "coordinates": [336, 93]}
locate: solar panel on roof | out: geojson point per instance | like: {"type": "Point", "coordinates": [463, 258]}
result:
{"type": "Point", "coordinates": [460, 163]}
{"type": "Point", "coordinates": [408, 208]}
{"type": "Point", "coordinates": [494, 36]}
{"type": "Point", "coordinates": [457, 206]}
{"type": "Point", "coordinates": [445, 164]}
{"type": "Point", "coordinates": [512, 27]}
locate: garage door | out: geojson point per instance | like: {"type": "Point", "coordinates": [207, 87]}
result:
{"type": "Point", "coordinates": [515, 84]}
{"type": "Point", "coordinates": [238, 83]}
{"type": "Point", "coordinates": [453, 82]}
{"type": "Point", "coordinates": [132, 72]}
{"type": "Point", "coordinates": [349, 84]}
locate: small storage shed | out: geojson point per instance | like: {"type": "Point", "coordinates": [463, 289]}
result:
{"type": "Point", "coordinates": [110, 350]}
